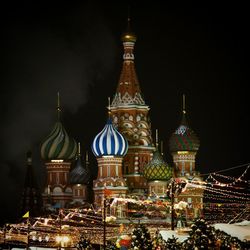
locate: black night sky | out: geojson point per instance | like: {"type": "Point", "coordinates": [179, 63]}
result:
{"type": "Point", "coordinates": [75, 48]}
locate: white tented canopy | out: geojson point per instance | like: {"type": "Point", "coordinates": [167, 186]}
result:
{"type": "Point", "coordinates": [239, 230]}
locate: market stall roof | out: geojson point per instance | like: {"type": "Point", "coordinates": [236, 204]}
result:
{"type": "Point", "coordinates": [240, 230]}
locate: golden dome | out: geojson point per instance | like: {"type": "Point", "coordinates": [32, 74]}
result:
{"type": "Point", "coordinates": [128, 37]}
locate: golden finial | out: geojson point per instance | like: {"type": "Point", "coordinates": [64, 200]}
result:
{"type": "Point", "coordinates": [79, 149]}
{"type": "Point", "coordinates": [128, 27]}
{"type": "Point", "coordinates": [161, 147]}
{"type": "Point", "coordinates": [109, 107]}
{"type": "Point", "coordinates": [87, 157]}
{"type": "Point", "coordinates": [58, 106]}
{"type": "Point", "coordinates": [156, 138]}
{"type": "Point", "coordinates": [183, 104]}
{"type": "Point", "coordinates": [128, 36]}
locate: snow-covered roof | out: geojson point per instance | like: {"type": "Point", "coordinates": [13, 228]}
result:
{"type": "Point", "coordinates": [239, 230]}
{"type": "Point", "coordinates": [166, 234]}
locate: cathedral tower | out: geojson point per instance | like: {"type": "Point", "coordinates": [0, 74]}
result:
{"type": "Point", "coordinates": [184, 145]}
{"type": "Point", "coordinates": [109, 147]}
{"type": "Point", "coordinates": [130, 115]}
{"type": "Point", "coordinates": [58, 151]}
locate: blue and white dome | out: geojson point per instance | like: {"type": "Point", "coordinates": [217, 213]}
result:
{"type": "Point", "coordinates": [109, 142]}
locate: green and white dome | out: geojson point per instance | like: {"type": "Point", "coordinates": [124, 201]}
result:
{"type": "Point", "coordinates": [58, 145]}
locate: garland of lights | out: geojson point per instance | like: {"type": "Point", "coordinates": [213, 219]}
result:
{"type": "Point", "coordinates": [69, 224]}
{"type": "Point", "coordinates": [221, 198]}
{"type": "Point", "coordinates": [63, 229]}
{"type": "Point", "coordinates": [239, 179]}
{"type": "Point", "coordinates": [235, 180]}
{"type": "Point", "coordinates": [223, 192]}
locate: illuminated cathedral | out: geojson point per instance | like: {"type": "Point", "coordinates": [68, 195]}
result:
{"type": "Point", "coordinates": [129, 161]}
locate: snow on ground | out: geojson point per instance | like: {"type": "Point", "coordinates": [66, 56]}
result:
{"type": "Point", "coordinates": [240, 230]}
{"type": "Point", "coordinates": [35, 248]}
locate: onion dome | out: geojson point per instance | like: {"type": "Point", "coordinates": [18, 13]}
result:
{"type": "Point", "coordinates": [157, 168]}
{"type": "Point", "coordinates": [80, 173]}
{"type": "Point", "coordinates": [58, 145]}
{"type": "Point", "coordinates": [109, 142]}
{"type": "Point", "coordinates": [184, 138]}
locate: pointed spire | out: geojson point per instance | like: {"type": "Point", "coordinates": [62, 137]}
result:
{"type": "Point", "coordinates": [128, 20]}
{"type": "Point", "coordinates": [58, 106]}
{"type": "Point", "coordinates": [162, 148]}
{"type": "Point", "coordinates": [128, 90]}
{"type": "Point", "coordinates": [109, 107]}
{"type": "Point", "coordinates": [87, 157]}
{"type": "Point", "coordinates": [29, 158]}
{"type": "Point", "coordinates": [184, 120]}
{"type": "Point", "coordinates": [183, 104]}
{"type": "Point", "coordinates": [79, 150]}
{"type": "Point", "coordinates": [156, 138]}
{"type": "Point", "coordinates": [128, 35]}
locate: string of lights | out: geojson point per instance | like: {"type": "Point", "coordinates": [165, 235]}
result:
{"type": "Point", "coordinates": [223, 198]}
{"type": "Point", "coordinates": [235, 180]}
{"type": "Point", "coordinates": [223, 191]}
{"type": "Point", "coordinates": [64, 229]}
{"type": "Point", "coordinates": [227, 169]}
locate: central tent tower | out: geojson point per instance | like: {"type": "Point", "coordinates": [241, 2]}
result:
{"type": "Point", "coordinates": [130, 116]}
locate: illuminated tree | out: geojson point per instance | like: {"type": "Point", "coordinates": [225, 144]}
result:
{"type": "Point", "coordinates": [83, 243]}
{"type": "Point", "coordinates": [202, 236]}
{"type": "Point", "coordinates": [141, 238]}
{"type": "Point", "coordinates": [158, 241]}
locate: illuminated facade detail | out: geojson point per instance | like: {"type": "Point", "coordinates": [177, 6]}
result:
{"type": "Point", "coordinates": [184, 145]}
{"type": "Point", "coordinates": [130, 116]}
{"type": "Point", "coordinates": [57, 181]}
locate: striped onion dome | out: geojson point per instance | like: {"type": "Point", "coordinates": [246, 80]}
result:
{"type": "Point", "coordinates": [109, 142]}
{"type": "Point", "coordinates": [58, 145]}
{"type": "Point", "coordinates": [157, 169]}
{"type": "Point", "coordinates": [184, 138]}
{"type": "Point", "coordinates": [79, 174]}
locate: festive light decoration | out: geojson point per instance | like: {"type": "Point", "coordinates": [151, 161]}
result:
{"type": "Point", "coordinates": [75, 227]}
{"type": "Point", "coordinates": [158, 241]}
{"type": "Point", "coordinates": [141, 238]}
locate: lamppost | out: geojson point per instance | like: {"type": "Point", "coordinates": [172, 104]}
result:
{"type": "Point", "coordinates": [174, 189]}
{"type": "Point", "coordinates": [104, 222]}
{"type": "Point", "coordinates": [106, 194]}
